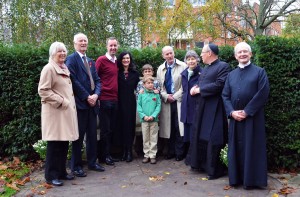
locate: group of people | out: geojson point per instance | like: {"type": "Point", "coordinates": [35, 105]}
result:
{"type": "Point", "coordinates": [188, 104]}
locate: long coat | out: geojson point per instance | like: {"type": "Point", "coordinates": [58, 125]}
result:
{"type": "Point", "coordinates": [210, 125]}
{"type": "Point", "coordinates": [127, 107]}
{"type": "Point", "coordinates": [188, 102]}
{"type": "Point", "coordinates": [59, 117]}
{"type": "Point", "coordinates": [247, 89]}
{"type": "Point", "coordinates": [165, 114]}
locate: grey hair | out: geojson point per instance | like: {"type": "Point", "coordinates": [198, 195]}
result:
{"type": "Point", "coordinates": [191, 53]}
{"type": "Point", "coordinates": [55, 46]}
{"type": "Point", "coordinates": [111, 38]}
{"type": "Point", "coordinates": [76, 36]}
{"type": "Point", "coordinates": [242, 44]}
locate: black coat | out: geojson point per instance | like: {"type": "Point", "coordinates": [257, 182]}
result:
{"type": "Point", "coordinates": [126, 108]}
{"type": "Point", "coordinates": [188, 102]}
{"type": "Point", "coordinates": [210, 126]}
{"type": "Point", "coordinates": [247, 89]}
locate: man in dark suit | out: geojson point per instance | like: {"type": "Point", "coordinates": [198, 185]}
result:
{"type": "Point", "coordinates": [86, 86]}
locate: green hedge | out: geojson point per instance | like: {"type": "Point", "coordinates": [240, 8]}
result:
{"type": "Point", "coordinates": [20, 68]}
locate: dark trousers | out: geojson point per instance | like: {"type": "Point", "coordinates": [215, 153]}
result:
{"type": "Point", "coordinates": [87, 124]}
{"type": "Point", "coordinates": [175, 144]}
{"type": "Point", "coordinates": [108, 123]}
{"type": "Point", "coordinates": [56, 158]}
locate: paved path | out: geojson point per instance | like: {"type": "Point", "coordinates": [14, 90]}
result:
{"type": "Point", "coordinates": [132, 179]}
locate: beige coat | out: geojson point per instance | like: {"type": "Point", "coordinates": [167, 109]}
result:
{"type": "Point", "coordinates": [59, 116]}
{"type": "Point", "coordinates": [165, 117]}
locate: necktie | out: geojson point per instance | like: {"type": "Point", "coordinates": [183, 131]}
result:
{"type": "Point", "coordinates": [87, 67]}
{"type": "Point", "coordinates": [168, 80]}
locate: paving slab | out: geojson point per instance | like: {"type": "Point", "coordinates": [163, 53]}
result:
{"type": "Point", "coordinates": [169, 178]}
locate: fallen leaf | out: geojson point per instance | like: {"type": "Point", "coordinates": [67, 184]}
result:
{"type": "Point", "coordinates": [167, 173]}
{"type": "Point", "coordinates": [156, 178]}
{"type": "Point", "coordinates": [124, 186]}
{"type": "Point", "coordinates": [30, 195]}
{"type": "Point", "coordinates": [227, 187]}
{"type": "Point", "coordinates": [275, 195]}
{"type": "Point", "coordinates": [3, 167]}
{"type": "Point", "coordinates": [185, 183]}
{"type": "Point", "coordinates": [175, 181]}
{"type": "Point", "coordinates": [47, 186]}
{"type": "Point", "coordinates": [42, 192]}
{"type": "Point", "coordinates": [226, 196]}
{"type": "Point", "coordinates": [204, 179]}
{"type": "Point", "coordinates": [16, 161]}
{"type": "Point", "coordinates": [287, 190]}
{"type": "Point", "coordinates": [13, 186]}
{"type": "Point", "coordinates": [22, 182]}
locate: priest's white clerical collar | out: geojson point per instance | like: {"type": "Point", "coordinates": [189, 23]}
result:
{"type": "Point", "coordinates": [244, 65]}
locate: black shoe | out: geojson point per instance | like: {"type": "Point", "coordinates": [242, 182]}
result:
{"type": "Point", "coordinates": [248, 187]}
{"type": "Point", "coordinates": [212, 177]}
{"type": "Point", "coordinates": [109, 161]}
{"type": "Point", "coordinates": [129, 156]}
{"type": "Point", "coordinates": [179, 158]}
{"type": "Point", "coordinates": [79, 173]}
{"type": "Point", "coordinates": [68, 177]}
{"type": "Point", "coordinates": [55, 182]}
{"type": "Point", "coordinates": [97, 168]}
{"type": "Point", "coordinates": [124, 156]}
{"type": "Point", "coordinates": [169, 156]}
{"type": "Point", "coordinates": [114, 159]}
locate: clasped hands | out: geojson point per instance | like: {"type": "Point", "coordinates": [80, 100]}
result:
{"type": "Point", "coordinates": [195, 90]}
{"type": "Point", "coordinates": [238, 115]}
{"type": "Point", "coordinates": [148, 118]}
{"type": "Point", "coordinates": [92, 100]}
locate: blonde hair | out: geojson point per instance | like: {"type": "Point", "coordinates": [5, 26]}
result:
{"type": "Point", "coordinates": [148, 79]}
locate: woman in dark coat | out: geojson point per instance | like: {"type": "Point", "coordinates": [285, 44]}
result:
{"type": "Point", "coordinates": [128, 79]}
{"type": "Point", "coordinates": [210, 126]}
{"type": "Point", "coordinates": [188, 104]}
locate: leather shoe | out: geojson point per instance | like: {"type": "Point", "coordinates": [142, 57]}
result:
{"type": "Point", "coordinates": [55, 182]}
{"type": "Point", "coordinates": [97, 168]}
{"type": "Point", "coordinates": [109, 161]}
{"type": "Point", "coordinates": [114, 159]}
{"type": "Point", "coordinates": [179, 158]}
{"type": "Point", "coordinates": [169, 156]}
{"type": "Point", "coordinates": [79, 173]}
{"type": "Point", "coordinates": [129, 156]}
{"type": "Point", "coordinates": [68, 177]}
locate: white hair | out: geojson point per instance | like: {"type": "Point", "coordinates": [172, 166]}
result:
{"type": "Point", "coordinates": [242, 44]}
{"type": "Point", "coordinates": [76, 36]}
{"type": "Point", "coordinates": [55, 46]}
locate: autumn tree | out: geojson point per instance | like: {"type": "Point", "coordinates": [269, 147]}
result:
{"type": "Point", "coordinates": [169, 22]}
{"type": "Point", "coordinates": [38, 21]}
{"type": "Point", "coordinates": [247, 20]}
{"type": "Point", "coordinates": [292, 26]}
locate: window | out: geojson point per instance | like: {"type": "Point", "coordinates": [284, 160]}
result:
{"type": "Point", "coordinates": [170, 2]}
{"type": "Point", "coordinates": [197, 2]}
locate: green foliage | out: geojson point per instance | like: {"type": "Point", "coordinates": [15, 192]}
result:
{"type": "Point", "coordinates": [223, 155]}
{"type": "Point", "coordinates": [280, 57]}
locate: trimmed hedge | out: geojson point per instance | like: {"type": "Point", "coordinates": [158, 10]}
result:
{"type": "Point", "coordinates": [20, 67]}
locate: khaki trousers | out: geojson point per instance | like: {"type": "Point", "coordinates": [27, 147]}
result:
{"type": "Point", "coordinates": [150, 136]}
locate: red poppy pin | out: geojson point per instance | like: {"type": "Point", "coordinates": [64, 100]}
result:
{"type": "Point", "coordinates": [90, 64]}
{"type": "Point", "coordinates": [154, 99]}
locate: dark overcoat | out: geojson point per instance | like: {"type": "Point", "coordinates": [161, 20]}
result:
{"type": "Point", "coordinates": [210, 124]}
{"type": "Point", "coordinates": [188, 102]}
{"type": "Point", "coordinates": [247, 89]}
{"type": "Point", "coordinates": [126, 108]}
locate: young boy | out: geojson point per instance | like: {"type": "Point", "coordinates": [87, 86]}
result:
{"type": "Point", "coordinates": [148, 107]}
{"type": "Point", "coordinates": [147, 71]}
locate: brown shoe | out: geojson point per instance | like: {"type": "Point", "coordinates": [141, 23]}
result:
{"type": "Point", "coordinates": [145, 160]}
{"type": "Point", "coordinates": [153, 161]}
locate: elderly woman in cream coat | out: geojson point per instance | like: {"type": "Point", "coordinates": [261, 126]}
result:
{"type": "Point", "coordinates": [170, 125]}
{"type": "Point", "coordinates": [59, 118]}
